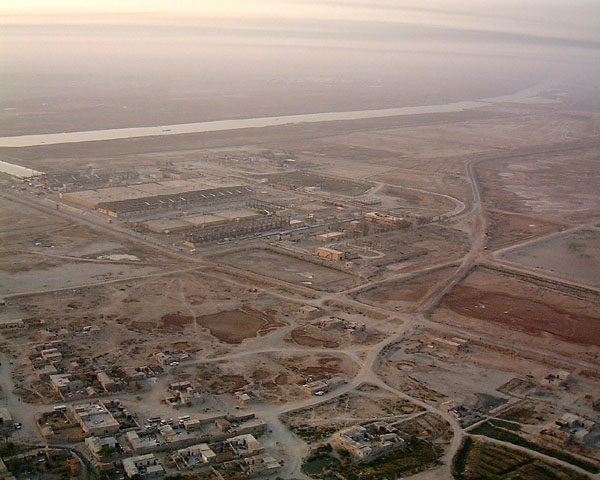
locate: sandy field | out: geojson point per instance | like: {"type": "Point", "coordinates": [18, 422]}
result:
{"type": "Point", "coordinates": [575, 257]}
{"type": "Point", "coordinates": [289, 269]}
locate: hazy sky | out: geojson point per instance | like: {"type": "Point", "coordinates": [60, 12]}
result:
{"type": "Point", "coordinates": [564, 18]}
{"type": "Point", "coordinates": [88, 64]}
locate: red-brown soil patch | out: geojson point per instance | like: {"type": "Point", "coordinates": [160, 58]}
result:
{"type": "Point", "coordinates": [301, 336]}
{"type": "Point", "coordinates": [147, 326]}
{"type": "Point", "coordinates": [175, 321]}
{"type": "Point", "coordinates": [260, 374]}
{"type": "Point", "coordinates": [234, 382]}
{"type": "Point", "coordinates": [235, 325]}
{"type": "Point", "coordinates": [526, 314]}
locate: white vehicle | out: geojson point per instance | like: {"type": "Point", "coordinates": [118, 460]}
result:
{"type": "Point", "coordinates": [174, 364]}
{"type": "Point", "coordinates": [183, 419]}
{"type": "Point", "coordinates": [320, 393]}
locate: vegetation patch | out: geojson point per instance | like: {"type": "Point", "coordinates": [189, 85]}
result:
{"type": "Point", "coordinates": [493, 431]}
{"type": "Point", "coordinates": [419, 455]}
{"type": "Point", "coordinates": [479, 460]}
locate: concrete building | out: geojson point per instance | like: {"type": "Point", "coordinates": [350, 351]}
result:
{"type": "Point", "coordinates": [95, 445]}
{"type": "Point", "coordinates": [244, 398]}
{"type": "Point", "coordinates": [51, 355]}
{"type": "Point", "coordinates": [384, 219]}
{"type": "Point", "coordinates": [145, 203]}
{"type": "Point", "coordinates": [167, 225]}
{"type": "Point", "coordinates": [142, 443]}
{"type": "Point", "coordinates": [94, 418]}
{"type": "Point", "coordinates": [11, 324]}
{"type": "Point", "coordinates": [184, 394]}
{"type": "Point", "coordinates": [195, 456]}
{"type": "Point", "coordinates": [330, 236]}
{"type": "Point", "coordinates": [66, 386]}
{"type": "Point", "coordinates": [309, 311]}
{"type": "Point", "coordinates": [366, 442]}
{"type": "Point", "coordinates": [147, 466]}
{"type": "Point", "coordinates": [43, 372]}
{"type": "Point", "coordinates": [108, 384]}
{"type": "Point", "coordinates": [329, 253]}
{"type": "Point", "coordinates": [245, 445]}
{"type": "Point", "coordinates": [250, 467]}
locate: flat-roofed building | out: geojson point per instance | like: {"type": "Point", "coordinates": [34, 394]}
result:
{"type": "Point", "coordinates": [196, 455]}
{"type": "Point", "coordinates": [245, 445]}
{"type": "Point", "coordinates": [44, 372]}
{"type": "Point", "coordinates": [167, 225]}
{"type": "Point", "coordinates": [145, 466]}
{"type": "Point", "coordinates": [108, 384]}
{"type": "Point", "coordinates": [95, 445]}
{"type": "Point", "coordinates": [235, 213]}
{"type": "Point", "coordinates": [383, 219]}
{"type": "Point", "coordinates": [330, 236]}
{"type": "Point", "coordinates": [65, 385]}
{"type": "Point", "coordinates": [52, 355]}
{"type": "Point", "coordinates": [203, 219]}
{"type": "Point", "coordinates": [329, 253]}
{"type": "Point", "coordinates": [372, 440]}
{"type": "Point", "coordinates": [11, 323]}
{"type": "Point", "coordinates": [142, 443]}
{"type": "Point", "coordinates": [95, 418]}
{"type": "Point", "coordinates": [146, 203]}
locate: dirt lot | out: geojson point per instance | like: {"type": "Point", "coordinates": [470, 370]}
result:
{"type": "Point", "coordinates": [236, 325]}
{"type": "Point", "coordinates": [404, 294]}
{"type": "Point", "coordinates": [335, 332]}
{"type": "Point", "coordinates": [554, 184]}
{"type": "Point", "coordinates": [407, 201]}
{"type": "Point", "coordinates": [289, 269]}
{"type": "Point", "coordinates": [520, 304]}
{"type": "Point", "coordinates": [275, 377]}
{"type": "Point", "coordinates": [369, 403]}
{"type": "Point", "coordinates": [575, 257]}
{"type": "Point", "coordinates": [38, 252]}
{"type": "Point", "coordinates": [328, 184]}
{"type": "Point", "coordinates": [506, 228]}
{"type": "Point", "coordinates": [407, 249]}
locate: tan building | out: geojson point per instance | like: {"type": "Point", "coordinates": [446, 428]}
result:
{"type": "Point", "coordinates": [95, 418]}
{"type": "Point", "coordinates": [52, 355]}
{"type": "Point", "coordinates": [65, 386]}
{"type": "Point", "coordinates": [196, 455]}
{"type": "Point", "coordinates": [108, 384]}
{"type": "Point", "coordinates": [329, 253]}
{"type": "Point", "coordinates": [369, 441]}
{"type": "Point", "coordinates": [330, 236]}
{"type": "Point", "coordinates": [145, 466]}
{"type": "Point", "coordinates": [383, 219]}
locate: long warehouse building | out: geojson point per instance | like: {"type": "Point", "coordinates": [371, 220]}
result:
{"type": "Point", "coordinates": [160, 202]}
